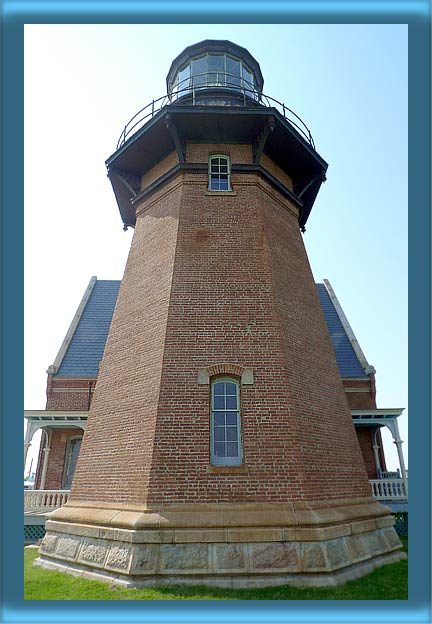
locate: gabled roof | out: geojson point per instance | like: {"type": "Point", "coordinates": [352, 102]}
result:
{"type": "Point", "coordinates": [84, 344]}
{"type": "Point", "coordinates": [349, 356]}
{"type": "Point", "coordinates": [87, 343]}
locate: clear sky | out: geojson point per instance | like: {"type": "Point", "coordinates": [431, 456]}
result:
{"type": "Point", "coordinates": [349, 83]}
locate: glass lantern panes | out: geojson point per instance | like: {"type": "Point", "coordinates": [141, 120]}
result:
{"type": "Point", "coordinates": [225, 416]}
{"type": "Point", "coordinates": [219, 173]}
{"type": "Point", "coordinates": [214, 70]}
{"type": "Point", "coordinates": [184, 78]}
{"type": "Point", "coordinates": [233, 70]}
{"type": "Point", "coordinates": [247, 78]}
{"type": "Point", "coordinates": [199, 71]}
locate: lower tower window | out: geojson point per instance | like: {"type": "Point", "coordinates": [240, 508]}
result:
{"type": "Point", "coordinates": [226, 449]}
{"type": "Point", "coordinates": [219, 173]}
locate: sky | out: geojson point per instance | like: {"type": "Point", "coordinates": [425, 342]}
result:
{"type": "Point", "coordinates": [349, 83]}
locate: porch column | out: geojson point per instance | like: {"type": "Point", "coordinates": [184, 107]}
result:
{"type": "Point", "coordinates": [398, 442]}
{"type": "Point", "coordinates": [27, 440]}
{"type": "Point", "coordinates": [46, 451]}
{"type": "Point", "coordinates": [27, 445]}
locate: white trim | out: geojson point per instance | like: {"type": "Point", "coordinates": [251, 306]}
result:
{"type": "Point", "coordinates": [53, 369]}
{"type": "Point", "coordinates": [36, 419]}
{"type": "Point", "coordinates": [228, 174]}
{"type": "Point", "coordinates": [35, 414]}
{"type": "Point", "coordinates": [393, 411]}
{"type": "Point", "coordinates": [348, 329]}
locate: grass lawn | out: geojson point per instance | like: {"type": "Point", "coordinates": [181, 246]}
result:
{"type": "Point", "coordinates": [389, 582]}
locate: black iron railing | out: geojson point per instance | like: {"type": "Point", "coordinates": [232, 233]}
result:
{"type": "Point", "coordinates": [245, 94]}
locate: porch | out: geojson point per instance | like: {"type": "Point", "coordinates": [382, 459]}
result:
{"type": "Point", "coordinates": [39, 503]}
{"type": "Point", "coordinates": [391, 488]}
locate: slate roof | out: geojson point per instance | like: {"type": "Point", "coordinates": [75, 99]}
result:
{"type": "Point", "coordinates": [349, 365]}
{"type": "Point", "coordinates": [88, 342]}
{"type": "Point", "coordinates": [86, 347]}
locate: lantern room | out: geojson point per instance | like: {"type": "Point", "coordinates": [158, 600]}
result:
{"type": "Point", "coordinates": [215, 64]}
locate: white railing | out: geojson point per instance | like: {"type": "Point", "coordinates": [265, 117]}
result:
{"type": "Point", "coordinates": [44, 500]}
{"type": "Point", "coordinates": [389, 489]}
{"type": "Point", "coordinates": [47, 500]}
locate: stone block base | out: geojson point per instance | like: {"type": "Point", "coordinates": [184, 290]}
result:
{"type": "Point", "coordinates": [300, 544]}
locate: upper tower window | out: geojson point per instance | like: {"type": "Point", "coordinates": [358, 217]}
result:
{"type": "Point", "coordinates": [219, 173]}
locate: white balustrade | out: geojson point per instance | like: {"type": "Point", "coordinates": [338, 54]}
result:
{"type": "Point", "coordinates": [44, 500]}
{"type": "Point", "coordinates": [389, 489]}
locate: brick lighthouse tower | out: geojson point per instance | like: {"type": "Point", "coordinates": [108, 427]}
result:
{"type": "Point", "coordinates": [220, 447]}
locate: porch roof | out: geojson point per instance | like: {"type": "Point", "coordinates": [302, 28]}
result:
{"type": "Point", "coordinates": [376, 417]}
{"type": "Point", "coordinates": [37, 419]}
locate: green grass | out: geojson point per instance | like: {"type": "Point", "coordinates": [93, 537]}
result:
{"type": "Point", "coordinates": [389, 582]}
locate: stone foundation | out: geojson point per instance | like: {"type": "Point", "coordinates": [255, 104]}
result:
{"type": "Point", "coordinates": [300, 544]}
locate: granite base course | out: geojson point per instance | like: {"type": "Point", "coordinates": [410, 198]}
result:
{"type": "Point", "coordinates": [335, 543]}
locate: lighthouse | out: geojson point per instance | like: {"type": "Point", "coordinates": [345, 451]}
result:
{"type": "Point", "coordinates": [220, 447]}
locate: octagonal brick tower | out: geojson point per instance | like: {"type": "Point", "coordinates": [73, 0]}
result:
{"type": "Point", "coordinates": [220, 447]}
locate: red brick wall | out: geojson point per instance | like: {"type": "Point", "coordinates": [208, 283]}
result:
{"type": "Point", "coordinates": [365, 438]}
{"type": "Point", "coordinates": [115, 457]}
{"type": "Point", "coordinates": [318, 408]}
{"type": "Point", "coordinates": [162, 167]}
{"type": "Point", "coordinates": [69, 394]}
{"type": "Point", "coordinates": [62, 395]}
{"type": "Point", "coordinates": [213, 279]}
{"type": "Point", "coordinates": [58, 445]}
{"type": "Point", "coordinates": [200, 152]}
{"type": "Point", "coordinates": [360, 393]}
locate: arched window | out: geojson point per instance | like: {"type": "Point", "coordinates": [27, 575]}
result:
{"type": "Point", "coordinates": [226, 448]}
{"type": "Point", "coordinates": [72, 452]}
{"type": "Point", "coordinates": [219, 173]}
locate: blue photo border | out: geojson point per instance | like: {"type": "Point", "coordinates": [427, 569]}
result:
{"type": "Point", "coordinates": [414, 13]}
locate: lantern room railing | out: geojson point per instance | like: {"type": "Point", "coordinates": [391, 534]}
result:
{"type": "Point", "coordinates": [244, 93]}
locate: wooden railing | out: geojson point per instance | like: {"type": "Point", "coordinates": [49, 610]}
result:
{"type": "Point", "coordinates": [44, 500]}
{"type": "Point", "coordinates": [389, 489]}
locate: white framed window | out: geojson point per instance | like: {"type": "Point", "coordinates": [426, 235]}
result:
{"type": "Point", "coordinates": [219, 173]}
{"type": "Point", "coordinates": [225, 430]}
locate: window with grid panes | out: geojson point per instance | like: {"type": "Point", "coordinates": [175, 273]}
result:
{"type": "Point", "coordinates": [219, 173]}
{"type": "Point", "coordinates": [226, 448]}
